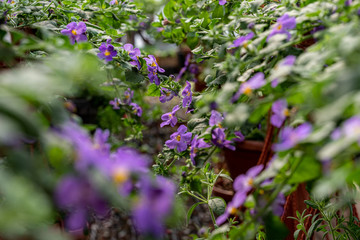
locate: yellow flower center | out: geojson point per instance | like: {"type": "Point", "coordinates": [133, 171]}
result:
{"type": "Point", "coordinates": [189, 94]}
{"type": "Point", "coordinates": [106, 53]}
{"type": "Point", "coordinates": [12, 2]}
{"type": "Point", "coordinates": [219, 125]}
{"type": "Point", "coordinates": [74, 32]}
{"type": "Point", "coordinates": [261, 192]}
{"type": "Point", "coordinates": [250, 182]}
{"type": "Point", "coordinates": [248, 90]}
{"type": "Point", "coordinates": [178, 137]}
{"type": "Point", "coordinates": [168, 94]}
{"type": "Point", "coordinates": [120, 175]}
{"type": "Point", "coordinates": [170, 115]}
{"type": "Point", "coordinates": [153, 64]}
{"type": "Point", "coordinates": [116, 2]}
{"type": "Point", "coordinates": [286, 112]}
{"type": "Point", "coordinates": [232, 211]}
{"type": "Point", "coordinates": [127, 96]}
{"type": "Point", "coordinates": [245, 44]}
{"type": "Point", "coordinates": [279, 27]}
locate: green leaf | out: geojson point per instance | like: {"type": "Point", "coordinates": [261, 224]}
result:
{"type": "Point", "coordinates": [218, 12]}
{"type": "Point", "coordinates": [192, 39]}
{"type": "Point", "coordinates": [134, 77]}
{"type": "Point", "coordinates": [217, 205]}
{"type": "Point", "coordinates": [168, 10]}
{"type": "Point", "coordinates": [153, 90]}
{"type": "Point", "coordinates": [308, 169]}
{"type": "Point", "coordinates": [274, 228]}
{"type": "Point", "coordinates": [191, 210]}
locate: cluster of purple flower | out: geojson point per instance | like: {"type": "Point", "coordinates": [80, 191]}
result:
{"type": "Point", "coordinates": [218, 136]}
{"type": "Point", "coordinates": [134, 54]}
{"type": "Point", "coordinates": [153, 68]}
{"type": "Point", "coordinates": [79, 195]}
{"type": "Point", "coordinates": [128, 95]}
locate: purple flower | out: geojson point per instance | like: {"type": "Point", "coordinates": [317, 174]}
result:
{"type": "Point", "coordinates": [187, 94]}
{"type": "Point", "coordinates": [166, 95]}
{"type": "Point", "coordinates": [153, 68]}
{"type": "Point", "coordinates": [278, 205]}
{"type": "Point", "coordinates": [289, 137]}
{"type": "Point", "coordinates": [113, 2]}
{"type": "Point", "coordinates": [257, 81]}
{"type": "Point", "coordinates": [196, 144]}
{"type": "Point", "coordinates": [89, 152]}
{"type": "Point", "coordinates": [156, 200]}
{"type": "Point", "coordinates": [179, 139]}
{"type": "Point", "coordinates": [242, 41]}
{"type": "Point", "coordinates": [239, 137]}
{"type": "Point", "coordinates": [115, 103]}
{"type": "Point", "coordinates": [78, 196]}
{"type": "Point", "coordinates": [215, 119]}
{"type": "Point", "coordinates": [245, 182]}
{"type": "Point", "coordinates": [348, 3]}
{"type": "Point", "coordinates": [76, 32]}
{"type": "Point", "coordinates": [107, 51]}
{"type": "Point", "coordinates": [218, 139]}
{"type": "Point", "coordinates": [283, 24]}
{"type": "Point", "coordinates": [124, 163]}
{"type": "Point", "coordinates": [193, 68]}
{"type": "Point", "coordinates": [128, 94]}
{"type": "Point", "coordinates": [222, 2]}
{"type": "Point", "coordinates": [137, 110]}
{"type": "Point", "coordinates": [134, 54]}
{"type": "Point", "coordinates": [336, 134]}
{"type": "Point", "coordinates": [170, 118]}
{"type": "Point", "coordinates": [231, 208]}
{"type": "Point", "coordinates": [351, 127]}
{"type": "Point", "coordinates": [183, 69]}
{"type": "Point", "coordinates": [280, 112]}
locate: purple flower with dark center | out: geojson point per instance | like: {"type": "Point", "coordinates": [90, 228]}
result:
{"type": "Point", "coordinates": [128, 95]}
{"type": "Point", "coordinates": [153, 68]}
{"type": "Point", "coordinates": [218, 139]}
{"type": "Point", "coordinates": [222, 2]}
{"type": "Point", "coordinates": [179, 139]}
{"type": "Point", "coordinates": [257, 81]}
{"type": "Point", "coordinates": [193, 68]}
{"type": "Point", "coordinates": [215, 119]}
{"type": "Point", "coordinates": [231, 208]}
{"type": "Point", "coordinates": [290, 137]}
{"type": "Point", "coordinates": [166, 95]}
{"type": "Point", "coordinates": [107, 51]}
{"type": "Point", "coordinates": [239, 137]}
{"type": "Point", "coordinates": [251, 25]}
{"type": "Point", "coordinates": [170, 118]}
{"type": "Point", "coordinates": [137, 110]}
{"type": "Point", "coordinates": [196, 144]}
{"type": "Point", "coordinates": [76, 32]}
{"type": "Point", "coordinates": [283, 24]}
{"type": "Point", "coordinates": [245, 182]}
{"type": "Point", "coordinates": [156, 200]}
{"type": "Point", "coordinates": [79, 197]}
{"type": "Point", "coordinates": [187, 94]}
{"type": "Point", "coordinates": [242, 41]}
{"type": "Point", "coordinates": [134, 54]}
{"type": "Point", "coordinates": [115, 103]}
{"type": "Point", "coordinates": [280, 112]}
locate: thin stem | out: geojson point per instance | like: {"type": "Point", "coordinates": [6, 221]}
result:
{"type": "Point", "coordinates": [212, 216]}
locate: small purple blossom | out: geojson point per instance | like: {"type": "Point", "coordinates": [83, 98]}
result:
{"type": "Point", "coordinates": [115, 103]}
{"type": "Point", "coordinates": [222, 2]}
{"type": "Point", "coordinates": [231, 208]}
{"type": "Point", "coordinates": [348, 3]}
{"type": "Point", "coordinates": [76, 32]}
{"type": "Point", "coordinates": [218, 139]}
{"type": "Point", "coordinates": [170, 118]}
{"type": "Point", "coordinates": [288, 61]}
{"type": "Point", "coordinates": [153, 68]}
{"type": "Point", "coordinates": [280, 112]}
{"type": "Point", "coordinates": [242, 41]}
{"type": "Point", "coordinates": [215, 119]}
{"type": "Point", "coordinates": [79, 197]}
{"type": "Point", "coordinates": [187, 94]}
{"type": "Point", "coordinates": [137, 110]}
{"type": "Point", "coordinates": [283, 24]}
{"type": "Point", "coordinates": [156, 200]}
{"type": "Point", "coordinates": [194, 69]}
{"type": "Point", "coordinates": [114, 2]}
{"type": "Point", "coordinates": [351, 127]}
{"type": "Point", "coordinates": [257, 81]}
{"type": "Point", "coordinates": [128, 95]}
{"type": "Point", "coordinates": [166, 95]}
{"type": "Point", "coordinates": [196, 144]}
{"type": "Point", "coordinates": [239, 137]}
{"type": "Point", "coordinates": [134, 54]}
{"type": "Point", "coordinates": [290, 137]}
{"type": "Point", "coordinates": [179, 139]}
{"type": "Point", "coordinates": [245, 182]}
{"type": "Point", "coordinates": [107, 51]}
